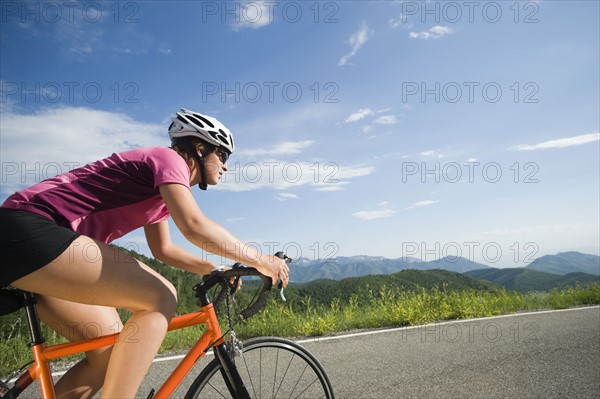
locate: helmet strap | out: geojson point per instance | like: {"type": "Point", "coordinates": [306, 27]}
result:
{"type": "Point", "coordinates": [200, 161]}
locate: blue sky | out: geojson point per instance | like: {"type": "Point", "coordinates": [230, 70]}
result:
{"type": "Point", "coordinates": [384, 128]}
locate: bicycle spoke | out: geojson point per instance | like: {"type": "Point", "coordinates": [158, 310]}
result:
{"type": "Point", "coordinates": [216, 390]}
{"type": "Point", "coordinates": [299, 378]}
{"type": "Point", "coordinates": [275, 374]}
{"type": "Point", "coordinates": [286, 371]}
{"type": "Point", "coordinates": [309, 385]}
{"type": "Point", "coordinates": [249, 374]}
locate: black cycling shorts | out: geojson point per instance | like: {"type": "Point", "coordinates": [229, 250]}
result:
{"type": "Point", "coordinates": [29, 242]}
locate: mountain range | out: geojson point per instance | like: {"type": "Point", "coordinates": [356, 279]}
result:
{"type": "Point", "coordinates": [523, 279]}
{"type": "Point", "coordinates": [567, 262]}
{"type": "Point", "coordinates": [544, 273]}
{"type": "Point", "coordinates": [338, 268]}
{"type": "Point", "coordinates": [452, 272]}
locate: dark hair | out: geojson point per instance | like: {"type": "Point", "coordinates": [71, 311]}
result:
{"type": "Point", "coordinates": [185, 145]}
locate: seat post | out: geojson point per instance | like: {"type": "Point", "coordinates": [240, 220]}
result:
{"type": "Point", "coordinates": [33, 320]}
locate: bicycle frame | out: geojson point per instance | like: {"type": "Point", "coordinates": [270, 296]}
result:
{"type": "Point", "coordinates": [42, 354]}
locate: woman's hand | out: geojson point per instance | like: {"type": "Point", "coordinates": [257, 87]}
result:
{"type": "Point", "coordinates": [275, 268]}
{"type": "Point", "coordinates": [232, 280]}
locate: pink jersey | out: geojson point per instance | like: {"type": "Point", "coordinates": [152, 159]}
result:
{"type": "Point", "coordinates": [109, 198]}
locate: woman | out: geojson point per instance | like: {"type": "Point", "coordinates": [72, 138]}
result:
{"type": "Point", "coordinates": [54, 238]}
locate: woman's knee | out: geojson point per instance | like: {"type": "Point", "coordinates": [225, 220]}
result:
{"type": "Point", "coordinates": [169, 300]}
{"type": "Point", "coordinates": [161, 298]}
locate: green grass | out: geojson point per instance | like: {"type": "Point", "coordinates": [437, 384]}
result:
{"type": "Point", "coordinates": [397, 308]}
{"type": "Point", "coordinates": [369, 309]}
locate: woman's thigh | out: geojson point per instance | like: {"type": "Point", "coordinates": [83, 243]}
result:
{"type": "Point", "coordinates": [77, 321]}
{"type": "Point", "coordinates": [93, 273]}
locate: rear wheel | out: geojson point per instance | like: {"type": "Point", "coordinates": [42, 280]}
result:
{"type": "Point", "coordinates": [270, 368]}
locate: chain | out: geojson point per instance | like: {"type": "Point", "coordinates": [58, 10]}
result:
{"type": "Point", "coordinates": [235, 345]}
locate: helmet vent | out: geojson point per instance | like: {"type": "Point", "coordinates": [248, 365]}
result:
{"type": "Point", "coordinates": [181, 119]}
{"type": "Point", "coordinates": [196, 121]}
{"type": "Point", "coordinates": [222, 136]}
{"type": "Point", "coordinates": [206, 121]}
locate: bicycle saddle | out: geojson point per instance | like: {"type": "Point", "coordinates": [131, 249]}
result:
{"type": "Point", "coordinates": [11, 300]}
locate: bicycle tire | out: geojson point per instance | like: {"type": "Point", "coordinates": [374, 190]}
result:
{"type": "Point", "coordinates": [270, 368]}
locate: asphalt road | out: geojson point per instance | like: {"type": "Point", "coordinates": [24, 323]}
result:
{"type": "Point", "coordinates": [553, 354]}
{"type": "Point", "coordinates": [547, 355]}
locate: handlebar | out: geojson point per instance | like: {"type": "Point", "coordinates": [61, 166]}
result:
{"type": "Point", "coordinates": [223, 278]}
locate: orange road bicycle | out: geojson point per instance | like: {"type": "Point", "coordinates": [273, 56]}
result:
{"type": "Point", "coordinates": [266, 367]}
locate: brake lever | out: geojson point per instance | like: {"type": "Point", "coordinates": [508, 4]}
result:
{"type": "Point", "coordinates": [233, 287]}
{"type": "Point", "coordinates": [287, 260]}
{"type": "Point", "coordinates": [280, 286]}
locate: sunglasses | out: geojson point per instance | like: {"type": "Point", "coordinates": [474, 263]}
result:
{"type": "Point", "coordinates": [223, 155]}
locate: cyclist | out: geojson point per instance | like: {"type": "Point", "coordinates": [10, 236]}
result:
{"type": "Point", "coordinates": [54, 238]}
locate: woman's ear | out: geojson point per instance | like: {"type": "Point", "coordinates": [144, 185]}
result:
{"type": "Point", "coordinates": [200, 149]}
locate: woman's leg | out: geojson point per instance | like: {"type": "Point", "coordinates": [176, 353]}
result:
{"type": "Point", "coordinates": [76, 321]}
{"type": "Point", "coordinates": [94, 273]}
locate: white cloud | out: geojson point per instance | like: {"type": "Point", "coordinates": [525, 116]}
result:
{"type": "Point", "coordinates": [384, 211]}
{"type": "Point", "coordinates": [420, 204]}
{"type": "Point", "coordinates": [357, 40]}
{"type": "Point", "coordinates": [368, 112]}
{"type": "Point", "coordinates": [164, 50]}
{"type": "Point", "coordinates": [286, 196]}
{"type": "Point", "coordinates": [253, 15]}
{"type": "Point", "coordinates": [387, 120]}
{"type": "Point", "coordinates": [394, 23]}
{"type": "Point", "coordinates": [559, 143]}
{"type": "Point", "coordinates": [235, 220]}
{"type": "Point", "coordinates": [367, 129]}
{"type": "Point", "coordinates": [77, 38]}
{"type": "Point", "coordinates": [432, 153]}
{"type": "Point", "coordinates": [285, 148]}
{"type": "Point", "coordinates": [340, 186]}
{"type": "Point", "coordinates": [371, 215]}
{"type": "Point", "coordinates": [434, 33]}
{"type": "Point", "coordinates": [360, 114]}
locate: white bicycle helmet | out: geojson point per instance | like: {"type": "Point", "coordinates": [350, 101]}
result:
{"type": "Point", "coordinates": [188, 123]}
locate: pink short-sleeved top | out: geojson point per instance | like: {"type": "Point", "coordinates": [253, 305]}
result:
{"type": "Point", "coordinates": [108, 198]}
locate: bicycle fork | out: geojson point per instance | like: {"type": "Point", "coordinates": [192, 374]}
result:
{"type": "Point", "coordinates": [232, 378]}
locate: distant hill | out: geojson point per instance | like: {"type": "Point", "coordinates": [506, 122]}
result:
{"type": "Point", "coordinates": [304, 270]}
{"type": "Point", "coordinates": [525, 279]}
{"type": "Point", "coordinates": [567, 262]}
{"type": "Point", "coordinates": [324, 291]}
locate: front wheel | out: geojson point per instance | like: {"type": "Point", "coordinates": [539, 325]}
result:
{"type": "Point", "coordinates": [270, 368]}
